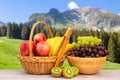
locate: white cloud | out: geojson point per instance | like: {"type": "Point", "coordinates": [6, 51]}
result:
{"type": "Point", "coordinates": [119, 14]}
{"type": "Point", "coordinates": [72, 5]}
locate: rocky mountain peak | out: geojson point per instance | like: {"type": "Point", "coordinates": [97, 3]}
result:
{"type": "Point", "coordinates": [87, 16]}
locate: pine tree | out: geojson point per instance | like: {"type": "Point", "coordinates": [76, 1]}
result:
{"type": "Point", "coordinates": [73, 36]}
{"type": "Point", "coordinates": [117, 54]}
{"type": "Point", "coordinates": [112, 44]}
{"type": "Point", "coordinates": [97, 33]}
{"type": "Point", "coordinates": [91, 33]}
{"type": "Point", "coordinates": [3, 30]}
{"type": "Point", "coordinates": [20, 29]}
{"type": "Point", "coordinates": [25, 32]}
{"type": "Point", "coordinates": [9, 30]}
{"type": "Point", "coordinates": [15, 30]}
{"type": "Point", "coordinates": [105, 38]}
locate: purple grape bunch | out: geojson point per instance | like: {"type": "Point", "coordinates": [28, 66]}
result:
{"type": "Point", "coordinates": [88, 47]}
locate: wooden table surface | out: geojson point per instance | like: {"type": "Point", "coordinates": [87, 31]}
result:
{"type": "Point", "coordinates": [22, 75]}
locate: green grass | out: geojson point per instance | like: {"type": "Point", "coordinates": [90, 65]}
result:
{"type": "Point", "coordinates": [111, 66]}
{"type": "Point", "coordinates": [9, 48]}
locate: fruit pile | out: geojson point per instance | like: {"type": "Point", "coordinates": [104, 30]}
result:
{"type": "Point", "coordinates": [66, 70]}
{"type": "Point", "coordinates": [41, 46]}
{"type": "Point", "coordinates": [88, 47]}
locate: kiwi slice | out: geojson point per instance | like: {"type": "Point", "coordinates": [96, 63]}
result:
{"type": "Point", "coordinates": [56, 72]}
{"type": "Point", "coordinates": [75, 70]}
{"type": "Point", "coordinates": [68, 72]}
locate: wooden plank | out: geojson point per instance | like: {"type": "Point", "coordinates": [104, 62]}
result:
{"type": "Point", "coordinates": [22, 75]}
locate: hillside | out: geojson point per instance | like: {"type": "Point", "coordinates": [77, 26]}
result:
{"type": "Point", "coordinates": [87, 16]}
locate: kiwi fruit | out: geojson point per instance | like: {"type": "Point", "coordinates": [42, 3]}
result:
{"type": "Point", "coordinates": [65, 64]}
{"type": "Point", "coordinates": [56, 72]}
{"type": "Point", "coordinates": [75, 70]}
{"type": "Point", "coordinates": [68, 72]}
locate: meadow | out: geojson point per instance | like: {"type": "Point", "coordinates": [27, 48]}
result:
{"type": "Point", "coordinates": [9, 49]}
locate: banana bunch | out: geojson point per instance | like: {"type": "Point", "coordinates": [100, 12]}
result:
{"type": "Point", "coordinates": [55, 43]}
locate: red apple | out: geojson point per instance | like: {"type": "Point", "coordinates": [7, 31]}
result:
{"type": "Point", "coordinates": [42, 49]}
{"type": "Point", "coordinates": [40, 37]}
{"type": "Point", "coordinates": [24, 48]}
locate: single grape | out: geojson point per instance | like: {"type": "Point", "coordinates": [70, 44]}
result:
{"type": "Point", "coordinates": [97, 55]}
{"type": "Point", "coordinates": [89, 50]}
{"type": "Point", "coordinates": [94, 51]}
{"type": "Point", "coordinates": [101, 53]}
{"type": "Point", "coordinates": [88, 54]}
{"type": "Point", "coordinates": [99, 41]}
{"type": "Point", "coordinates": [86, 49]}
{"type": "Point", "coordinates": [68, 53]}
{"type": "Point", "coordinates": [91, 44]}
{"type": "Point", "coordinates": [82, 50]}
{"type": "Point", "coordinates": [83, 55]}
{"type": "Point", "coordinates": [92, 55]}
{"type": "Point", "coordinates": [99, 48]}
{"type": "Point", "coordinates": [102, 48]}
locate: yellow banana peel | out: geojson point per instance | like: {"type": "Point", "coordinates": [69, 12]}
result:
{"type": "Point", "coordinates": [57, 43]}
{"type": "Point", "coordinates": [51, 42]}
{"type": "Point", "coordinates": [68, 47]}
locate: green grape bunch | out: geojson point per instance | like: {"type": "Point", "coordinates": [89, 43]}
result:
{"type": "Point", "coordinates": [87, 41]}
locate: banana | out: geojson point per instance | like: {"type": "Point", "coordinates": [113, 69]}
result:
{"type": "Point", "coordinates": [52, 42]}
{"type": "Point", "coordinates": [68, 47]}
{"type": "Point", "coordinates": [56, 46]}
{"type": "Point", "coordinates": [56, 43]}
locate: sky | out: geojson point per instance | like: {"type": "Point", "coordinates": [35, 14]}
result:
{"type": "Point", "coordinates": [19, 10]}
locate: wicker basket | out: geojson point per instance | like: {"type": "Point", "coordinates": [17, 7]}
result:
{"type": "Point", "coordinates": [34, 64]}
{"type": "Point", "coordinates": [87, 65]}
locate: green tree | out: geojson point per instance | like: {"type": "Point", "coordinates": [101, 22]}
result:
{"type": "Point", "coordinates": [9, 30]}
{"type": "Point", "coordinates": [20, 29]}
{"type": "Point", "coordinates": [25, 32]}
{"type": "Point", "coordinates": [15, 30]}
{"type": "Point", "coordinates": [97, 33]}
{"type": "Point", "coordinates": [3, 30]}
{"type": "Point", "coordinates": [112, 44]}
{"type": "Point", "coordinates": [105, 37]}
{"type": "Point", "coordinates": [117, 54]}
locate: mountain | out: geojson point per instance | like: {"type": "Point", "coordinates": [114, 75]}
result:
{"type": "Point", "coordinates": [87, 17]}
{"type": "Point", "coordinates": [1, 23]}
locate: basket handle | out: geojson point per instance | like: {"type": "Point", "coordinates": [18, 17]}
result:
{"type": "Point", "coordinates": [31, 34]}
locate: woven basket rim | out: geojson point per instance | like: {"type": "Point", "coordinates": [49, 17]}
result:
{"type": "Point", "coordinates": [37, 59]}
{"type": "Point", "coordinates": [86, 57]}
{"type": "Point", "coordinates": [36, 56]}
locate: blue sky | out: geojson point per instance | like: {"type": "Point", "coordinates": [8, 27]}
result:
{"type": "Point", "coordinates": [20, 10]}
